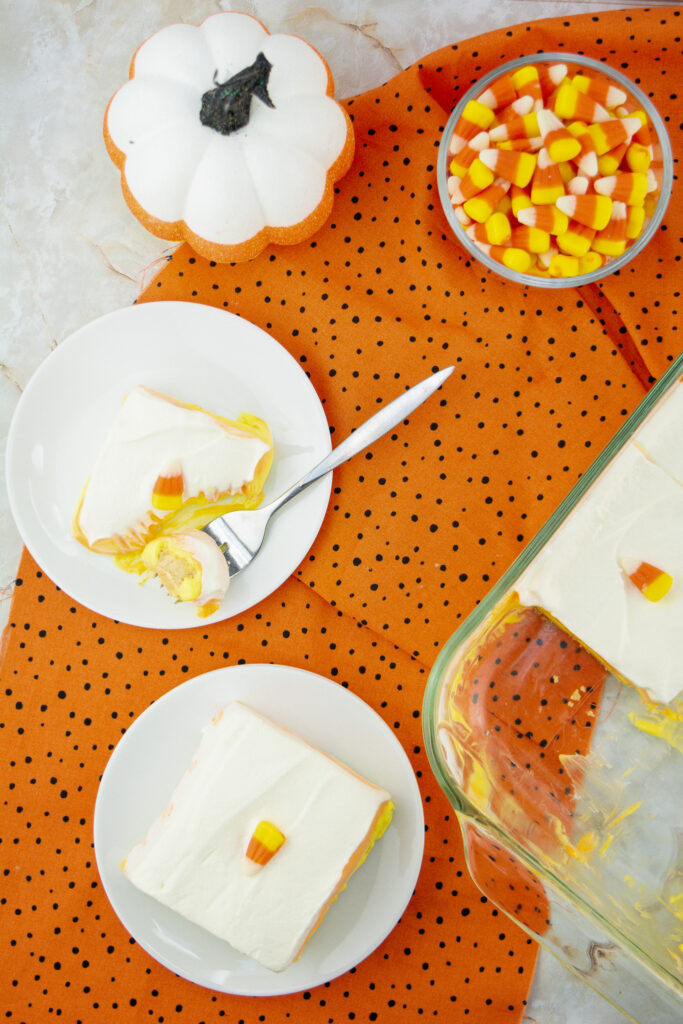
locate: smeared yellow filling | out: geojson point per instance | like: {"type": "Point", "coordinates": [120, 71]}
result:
{"type": "Point", "coordinates": [179, 571]}
{"type": "Point", "coordinates": [667, 728]}
{"type": "Point", "coordinates": [204, 610]}
{"type": "Point", "coordinates": [381, 825]}
{"type": "Point", "coordinates": [194, 512]}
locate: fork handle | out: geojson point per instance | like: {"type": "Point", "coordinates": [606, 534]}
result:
{"type": "Point", "coordinates": [367, 433]}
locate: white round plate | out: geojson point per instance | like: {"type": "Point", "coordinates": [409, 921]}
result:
{"type": "Point", "coordinates": [198, 354]}
{"type": "Point", "coordinates": [154, 753]}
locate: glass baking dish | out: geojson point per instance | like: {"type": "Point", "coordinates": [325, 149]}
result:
{"type": "Point", "coordinates": [565, 773]}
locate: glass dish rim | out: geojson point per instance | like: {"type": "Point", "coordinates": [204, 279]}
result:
{"type": "Point", "coordinates": [608, 268]}
{"type": "Point", "coordinates": [456, 797]}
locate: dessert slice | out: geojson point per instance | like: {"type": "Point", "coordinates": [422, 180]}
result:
{"type": "Point", "coordinates": [162, 465]}
{"type": "Point", "coordinates": [261, 835]}
{"type": "Point", "coordinates": [612, 574]}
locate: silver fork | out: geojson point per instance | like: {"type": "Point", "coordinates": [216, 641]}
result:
{"type": "Point", "coordinates": [240, 534]}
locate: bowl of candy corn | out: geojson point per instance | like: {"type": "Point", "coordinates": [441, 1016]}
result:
{"type": "Point", "coordinates": [554, 170]}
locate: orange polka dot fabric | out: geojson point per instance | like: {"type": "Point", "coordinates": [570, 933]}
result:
{"type": "Point", "coordinates": [422, 525]}
{"type": "Point", "coordinates": [418, 529]}
{"type": "Point", "coordinates": [72, 684]}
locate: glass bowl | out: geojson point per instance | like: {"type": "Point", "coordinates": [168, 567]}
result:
{"type": "Point", "coordinates": [566, 779]}
{"type": "Point", "coordinates": [662, 166]}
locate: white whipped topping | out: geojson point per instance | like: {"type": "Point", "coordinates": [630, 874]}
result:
{"type": "Point", "coordinates": [226, 187]}
{"type": "Point", "coordinates": [632, 513]}
{"type": "Point", "coordinates": [660, 437]}
{"type": "Point", "coordinates": [248, 769]}
{"type": "Point", "coordinates": [150, 432]}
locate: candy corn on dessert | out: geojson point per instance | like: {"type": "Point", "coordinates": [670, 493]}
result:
{"type": "Point", "coordinates": [612, 574]}
{"type": "Point", "coordinates": [167, 467]}
{"type": "Point", "coordinates": [162, 464]}
{"type": "Point", "coordinates": [261, 835]}
{"type": "Point", "coordinates": [574, 150]}
{"type": "Point", "coordinates": [555, 709]}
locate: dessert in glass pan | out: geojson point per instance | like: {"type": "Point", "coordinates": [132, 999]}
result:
{"type": "Point", "coordinates": [554, 718]}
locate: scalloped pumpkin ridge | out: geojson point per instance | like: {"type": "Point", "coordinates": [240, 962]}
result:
{"type": "Point", "coordinates": [179, 231]}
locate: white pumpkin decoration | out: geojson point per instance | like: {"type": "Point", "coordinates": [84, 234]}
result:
{"type": "Point", "coordinates": [228, 136]}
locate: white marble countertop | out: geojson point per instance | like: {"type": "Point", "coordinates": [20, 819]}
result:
{"type": "Point", "coordinates": [64, 221]}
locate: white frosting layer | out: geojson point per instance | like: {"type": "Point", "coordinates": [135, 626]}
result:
{"type": "Point", "coordinates": [226, 187]}
{"type": "Point", "coordinates": [149, 433]}
{"type": "Point", "coordinates": [633, 512]}
{"type": "Point", "coordinates": [247, 769]}
{"type": "Point", "coordinates": [661, 436]}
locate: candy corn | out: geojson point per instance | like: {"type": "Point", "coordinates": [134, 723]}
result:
{"type": "Point", "coordinates": [573, 105]}
{"type": "Point", "coordinates": [642, 134]}
{"type": "Point", "coordinates": [469, 152]}
{"type": "Point", "coordinates": [550, 173]}
{"type": "Point", "coordinates": [500, 93]}
{"type": "Point", "coordinates": [545, 258]}
{"type": "Point", "coordinates": [518, 108]}
{"type": "Point", "coordinates": [494, 231]}
{"type": "Point", "coordinates": [518, 127]}
{"type": "Point", "coordinates": [600, 90]}
{"type": "Point", "coordinates": [561, 145]}
{"type": "Point", "coordinates": [550, 77]}
{"type": "Point", "coordinates": [613, 133]}
{"type": "Point", "coordinates": [516, 259]}
{"type": "Point", "coordinates": [532, 239]}
{"type": "Point", "coordinates": [547, 218]}
{"type": "Point", "coordinates": [527, 83]}
{"type": "Point", "coordinates": [517, 168]}
{"type": "Point", "coordinates": [612, 240]}
{"type": "Point", "coordinates": [461, 216]}
{"type": "Point", "coordinates": [610, 162]}
{"type": "Point", "coordinates": [635, 218]}
{"type": "Point", "coordinates": [563, 266]}
{"type": "Point", "coordinates": [638, 157]}
{"type": "Point", "coordinates": [478, 178]}
{"type": "Point", "coordinates": [592, 210]}
{"type": "Point", "coordinates": [481, 207]}
{"type": "Point", "coordinates": [547, 122]}
{"type": "Point", "coordinates": [590, 262]}
{"type": "Point", "coordinates": [547, 184]}
{"type": "Point", "coordinates": [627, 187]}
{"type": "Point", "coordinates": [167, 493]}
{"type": "Point", "coordinates": [519, 199]}
{"type": "Point", "coordinates": [264, 842]}
{"type": "Point", "coordinates": [587, 160]}
{"type": "Point", "coordinates": [576, 240]}
{"type": "Point", "coordinates": [475, 118]}
{"type": "Point", "coordinates": [522, 145]}
{"type": "Point", "coordinates": [578, 186]}
{"type": "Point", "coordinates": [453, 185]}
{"type": "Point", "coordinates": [653, 583]}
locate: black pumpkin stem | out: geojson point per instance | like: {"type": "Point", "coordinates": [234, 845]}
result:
{"type": "Point", "coordinates": [226, 108]}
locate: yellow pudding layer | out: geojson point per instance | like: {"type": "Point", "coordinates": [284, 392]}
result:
{"type": "Point", "coordinates": [179, 571]}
